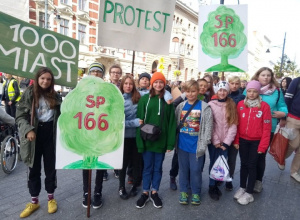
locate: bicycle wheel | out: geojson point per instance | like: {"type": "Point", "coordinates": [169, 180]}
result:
{"type": "Point", "coordinates": [9, 154]}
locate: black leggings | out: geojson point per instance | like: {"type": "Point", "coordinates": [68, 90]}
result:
{"type": "Point", "coordinates": [132, 155]}
{"type": "Point", "coordinates": [44, 147]}
{"type": "Point", "coordinates": [98, 181]}
{"type": "Point", "coordinates": [261, 163]}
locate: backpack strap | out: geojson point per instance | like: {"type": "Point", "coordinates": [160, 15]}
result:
{"type": "Point", "coordinates": [278, 95]}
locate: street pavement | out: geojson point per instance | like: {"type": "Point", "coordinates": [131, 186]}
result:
{"type": "Point", "coordinates": [280, 198]}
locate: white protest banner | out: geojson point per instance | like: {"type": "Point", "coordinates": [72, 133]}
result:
{"type": "Point", "coordinates": [223, 38]}
{"type": "Point", "coordinates": [140, 25]}
{"type": "Point", "coordinates": [90, 129]}
{"type": "Point", "coordinates": [24, 48]}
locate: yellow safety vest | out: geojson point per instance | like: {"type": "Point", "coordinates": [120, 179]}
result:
{"type": "Point", "coordinates": [11, 90]}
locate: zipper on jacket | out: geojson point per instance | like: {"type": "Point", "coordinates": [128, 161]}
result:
{"type": "Point", "coordinates": [248, 122]}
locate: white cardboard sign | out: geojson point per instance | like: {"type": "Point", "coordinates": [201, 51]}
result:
{"type": "Point", "coordinates": [223, 38]}
{"type": "Point", "coordinates": [140, 25]}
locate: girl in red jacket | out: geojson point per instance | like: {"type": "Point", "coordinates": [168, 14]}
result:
{"type": "Point", "coordinates": [252, 139]}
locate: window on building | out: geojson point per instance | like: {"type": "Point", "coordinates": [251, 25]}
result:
{"type": "Point", "coordinates": [81, 33]}
{"type": "Point", "coordinates": [191, 50]}
{"type": "Point", "coordinates": [42, 20]}
{"type": "Point", "coordinates": [175, 45]}
{"type": "Point", "coordinates": [154, 66]}
{"type": "Point", "coordinates": [182, 47]}
{"type": "Point", "coordinates": [185, 74]}
{"type": "Point", "coordinates": [188, 50]}
{"type": "Point", "coordinates": [64, 1]}
{"type": "Point", "coordinates": [189, 29]}
{"type": "Point", "coordinates": [194, 33]}
{"type": "Point", "coordinates": [81, 4]}
{"type": "Point", "coordinates": [64, 27]}
{"type": "Point", "coordinates": [177, 20]}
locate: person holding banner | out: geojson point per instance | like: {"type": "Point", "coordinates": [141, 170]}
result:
{"type": "Point", "coordinates": [41, 104]}
{"type": "Point", "coordinates": [10, 94]}
{"type": "Point", "coordinates": [152, 109]}
{"type": "Point", "coordinates": [95, 69]}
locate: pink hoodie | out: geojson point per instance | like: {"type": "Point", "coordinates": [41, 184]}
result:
{"type": "Point", "coordinates": [221, 131]}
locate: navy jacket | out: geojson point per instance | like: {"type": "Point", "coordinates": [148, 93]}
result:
{"type": "Point", "coordinates": [237, 96]}
{"type": "Point", "coordinates": [292, 97]}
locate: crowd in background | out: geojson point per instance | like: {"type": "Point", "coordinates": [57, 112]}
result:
{"type": "Point", "coordinates": [210, 117]}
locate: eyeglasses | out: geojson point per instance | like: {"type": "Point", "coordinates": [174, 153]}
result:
{"type": "Point", "coordinates": [116, 73]}
{"type": "Point", "coordinates": [96, 71]}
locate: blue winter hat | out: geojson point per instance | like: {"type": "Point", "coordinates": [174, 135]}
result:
{"type": "Point", "coordinates": [147, 75]}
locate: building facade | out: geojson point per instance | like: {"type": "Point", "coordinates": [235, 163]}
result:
{"type": "Point", "coordinates": [79, 19]}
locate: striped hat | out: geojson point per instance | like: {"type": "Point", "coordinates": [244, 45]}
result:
{"type": "Point", "coordinates": [97, 66]}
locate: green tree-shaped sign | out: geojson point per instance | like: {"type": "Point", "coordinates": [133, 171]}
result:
{"type": "Point", "coordinates": [92, 122]}
{"type": "Point", "coordinates": [223, 37]}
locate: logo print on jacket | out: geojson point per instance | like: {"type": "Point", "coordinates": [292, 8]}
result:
{"type": "Point", "coordinates": [259, 114]}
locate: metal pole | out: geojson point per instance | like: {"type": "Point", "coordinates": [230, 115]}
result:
{"type": "Point", "coordinates": [280, 71]}
{"type": "Point", "coordinates": [222, 76]}
{"type": "Point", "coordinates": [46, 14]}
{"type": "Point", "coordinates": [132, 64]}
{"type": "Point", "coordinates": [89, 194]}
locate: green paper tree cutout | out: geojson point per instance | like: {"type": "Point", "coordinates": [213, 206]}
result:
{"type": "Point", "coordinates": [92, 131]}
{"type": "Point", "coordinates": [223, 37]}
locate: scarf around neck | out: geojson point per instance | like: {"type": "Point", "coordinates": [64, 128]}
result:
{"type": "Point", "coordinates": [253, 103]}
{"type": "Point", "coordinates": [266, 90]}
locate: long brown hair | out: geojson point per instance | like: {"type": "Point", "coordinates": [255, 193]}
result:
{"type": "Point", "coordinates": [49, 93]}
{"type": "Point", "coordinates": [231, 112]}
{"type": "Point", "coordinates": [273, 80]}
{"type": "Point", "coordinates": [210, 89]}
{"type": "Point", "coordinates": [161, 94]}
{"type": "Point", "coordinates": [134, 93]}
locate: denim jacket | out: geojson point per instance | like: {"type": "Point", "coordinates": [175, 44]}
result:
{"type": "Point", "coordinates": [131, 121]}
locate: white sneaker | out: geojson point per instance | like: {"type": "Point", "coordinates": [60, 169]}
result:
{"type": "Point", "coordinates": [239, 193]}
{"type": "Point", "coordinates": [281, 167]}
{"type": "Point", "coordinates": [245, 199]}
{"type": "Point", "coordinates": [258, 186]}
{"type": "Point", "coordinates": [296, 176]}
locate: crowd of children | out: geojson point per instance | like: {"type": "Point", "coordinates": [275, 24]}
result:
{"type": "Point", "coordinates": [209, 119]}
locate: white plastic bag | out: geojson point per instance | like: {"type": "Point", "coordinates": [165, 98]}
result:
{"type": "Point", "coordinates": [220, 170]}
{"type": "Point", "coordinates": [288, 133]}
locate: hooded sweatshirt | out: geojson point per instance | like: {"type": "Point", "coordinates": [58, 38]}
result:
{"type": "Point", "coordinates": [153, 116]}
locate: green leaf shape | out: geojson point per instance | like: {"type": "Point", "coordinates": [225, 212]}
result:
{"type": "Point", "coordinates": [92, 143]}
{"type": "Point", "coordinates": [226, 68]}
{"type": "Point", "coordinates": [80, 165]}
{"type": "Point", "coordinates": [237, 28]}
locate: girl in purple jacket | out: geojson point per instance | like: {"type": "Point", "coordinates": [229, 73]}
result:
{"type": "Point", "coordinates": [224, 130]}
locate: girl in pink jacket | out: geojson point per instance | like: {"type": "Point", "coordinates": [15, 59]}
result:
{"type": "Point", "coordinates": [224, 130]}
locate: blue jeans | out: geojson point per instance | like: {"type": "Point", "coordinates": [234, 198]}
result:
{"type": "Point", "coordinates": [214, 153]}
{"type": "Point", "coordinates": [152, 172]}
{"type": "Point", "coordinates": [190, 172]}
